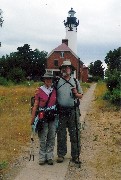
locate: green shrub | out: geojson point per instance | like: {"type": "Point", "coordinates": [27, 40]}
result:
{"type": "Point", "coordinates": [27, 83]}
{"type": "Point", "coordinates": [3, 165]}
{"type": "Point", "coordinates": [17, 75]}
{"type": "Point", "coordinates": [114, 96]}
{"type": "Point", "coordinates": [113, 80]}
{"type": "Point", "coordinates": [107, 95]}
{"type": "Point", "coordinates": [31, 83]}
{"type": "Point", "coordinates": [90, 79]}
{"type": "Point", "coordinates": [94, 79]}
{"type": "Point", "coordinates": [87, 85]}
{"type": "Point", "coordinates": [3, 81]}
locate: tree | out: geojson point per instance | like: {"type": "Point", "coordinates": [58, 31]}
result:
{"type": "Point", "coordinates": [91, 68]}
{"type": "Point", "coordinates": [113, 76]}
{"type": "Point", "coordinates": [113, 59]}
{"type": "Point", "coordinates": [17, 75]}
{"type": "Point", "coordinates": [1, 21]}
{"type": "Point", "coordinates": [24, 58]}
{"type": "Point", "coordinates": [7, 63]}
{"type": "Point", "coordinates": [39, 62]}
{"type": "Point", "coordinates": [32, 63]}
{"type": "Point", "coordinates": [1, 18]}
{"type": "Point", "coordinates": [96, 70]}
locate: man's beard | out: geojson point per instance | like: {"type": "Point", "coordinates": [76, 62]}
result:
{"type": "Point", "coordinates": [65, 74]}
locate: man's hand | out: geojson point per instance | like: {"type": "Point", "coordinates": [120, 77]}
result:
{"type": "Point", "coordinates": [74, 90]}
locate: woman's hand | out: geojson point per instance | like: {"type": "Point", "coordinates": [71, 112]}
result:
{"type": "Point", "coordinates": [34, 109]}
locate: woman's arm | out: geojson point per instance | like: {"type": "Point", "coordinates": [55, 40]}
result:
{"type": "Point", "coordinates": [36, 104]}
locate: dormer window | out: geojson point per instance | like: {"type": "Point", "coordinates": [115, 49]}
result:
{"type": "Point", "coordinates": [62, 54]}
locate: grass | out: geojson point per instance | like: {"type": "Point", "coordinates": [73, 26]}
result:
{"type": "Point", "coordinates": [85, 86]}
{"type": "Point", "coordinates": [105, 105]}
{"type": "Point", "coordinates": [15, 114]}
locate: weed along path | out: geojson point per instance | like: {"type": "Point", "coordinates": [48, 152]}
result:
{"type": "Point", "coordinates": [33, 171]}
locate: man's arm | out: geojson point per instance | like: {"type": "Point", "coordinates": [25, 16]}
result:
{"type": "Point", "coordinates": [76, 93]}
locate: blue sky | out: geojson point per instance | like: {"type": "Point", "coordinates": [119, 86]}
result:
{"type": "Point", "coordinates": [40, 24]}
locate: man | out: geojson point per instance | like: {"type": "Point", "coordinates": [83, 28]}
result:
{"type": "Point", "coordinates": [68, 91]}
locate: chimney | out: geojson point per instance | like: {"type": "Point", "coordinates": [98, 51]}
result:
{"type": "Point", "coordinates": [65, 41]}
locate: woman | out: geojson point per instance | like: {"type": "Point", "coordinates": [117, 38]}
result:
{"type": "Point", "coordinates": [45, 99]}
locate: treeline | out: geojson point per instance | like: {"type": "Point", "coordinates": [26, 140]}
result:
{"type": "Point", "coordinates": [30, 64]}
{"type": "Point", "coordinates": [23, 64]}
{"type": "Point", "coordinates": [113, 76]}
{"type": "Point", "coordinates": [96, 71]}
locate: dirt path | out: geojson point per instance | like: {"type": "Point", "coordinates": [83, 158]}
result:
{"type": "Point", "coordinates": [101, 146]}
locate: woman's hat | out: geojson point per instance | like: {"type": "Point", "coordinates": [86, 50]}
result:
{"type": "Point", "coordinates": [47, 75]}
{"type": "Point", "coordinates": [67, 63]}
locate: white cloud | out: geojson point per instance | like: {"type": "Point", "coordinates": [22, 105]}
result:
{"type": "Point", "coordinates": [40, 24]}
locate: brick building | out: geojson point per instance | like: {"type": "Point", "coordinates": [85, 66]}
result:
{"type": "Point", "coordinates": [61, 53]}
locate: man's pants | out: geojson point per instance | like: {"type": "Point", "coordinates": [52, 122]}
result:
{"type": "Point", "coordinates": [69, 118]}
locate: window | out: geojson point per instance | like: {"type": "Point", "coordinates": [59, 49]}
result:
{"type": "Point", "coordinates": [55, 62]}
{"type": "Point", "coordinates": [62, 54]}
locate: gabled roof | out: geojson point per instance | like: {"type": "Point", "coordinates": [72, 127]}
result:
{"type": "Point", "coordinates": [63, 47]}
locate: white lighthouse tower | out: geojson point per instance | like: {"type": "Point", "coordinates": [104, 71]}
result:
{"type": "Point", "coordinates": [71, 30]}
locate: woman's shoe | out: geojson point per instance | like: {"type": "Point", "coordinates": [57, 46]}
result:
{"type": "Point", "coordinates": [41, 162]}
{"type": "Point", "coordinates": [50, 162]}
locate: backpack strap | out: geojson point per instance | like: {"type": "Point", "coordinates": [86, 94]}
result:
{"type": "Point", "coordinates": [48, 99]}
{"type": "Point", "coordinates": [56, 83]}
{"type": "Point", "coordinates": [76, 83]}
{"type": "Point", "coordinates": [78, 102]}
{"type": "Point", "coordinates": [66, 81]}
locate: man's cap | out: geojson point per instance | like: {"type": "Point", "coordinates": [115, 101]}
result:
{"type": "Point", "coordinates": [67, 63]}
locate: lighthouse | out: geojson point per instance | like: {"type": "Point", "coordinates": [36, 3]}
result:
{"type": "Point", "coordinates": [71, 30]}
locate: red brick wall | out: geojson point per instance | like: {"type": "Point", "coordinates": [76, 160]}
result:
{"type": "Point", "coordinates": [85, 74]}
{"type": "Point", "coordinates": [57, 56]}
{"type": "Point", "coordinates": [81, 72]}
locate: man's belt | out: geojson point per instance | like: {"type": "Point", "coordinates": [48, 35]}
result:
{"type": "Point", "coordinates": [66, 108]}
